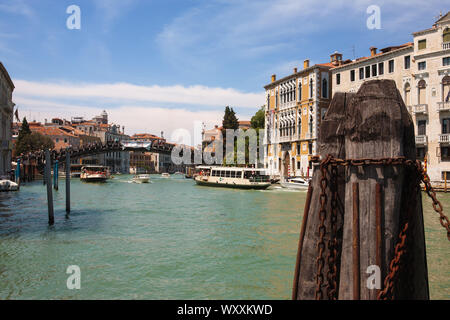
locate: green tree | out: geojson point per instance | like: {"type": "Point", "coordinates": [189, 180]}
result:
{"type": "Point", "coordinates": [229, 119]}
{"type": "Point", "coordinates": [24, 129]}
{"type": "Point", "coordinates": [31, 141]}
{"type": "Point", "coordinates": [257, 121]}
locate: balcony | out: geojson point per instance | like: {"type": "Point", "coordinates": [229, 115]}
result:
{"type": "Point", "coordinates": [444, 138]}
{"type": "Point", "coordinates": [421, 140]}
{"type": "Point", "coordinates": [446, 45]}
{"type": "Point", "coordinates": [290, 138]}
{"type": "Point", "coordinates": [420, 108]}
{"type": "Point", "coordinates": [308, 136]}
{"type": "Point", "coordinates": [443, 106]}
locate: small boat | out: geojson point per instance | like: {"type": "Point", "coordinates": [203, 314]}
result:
{"type": "Point", "coordinates": [7, 185]}
{"type": "Point", "coordinates": [94, 173]}
{"type": "Point", "coordinates": [165, 175]}
{"type": "Point", "coordinates": [141, 178]}
{"type": "Point", "coordinates": [295, 183]}
{"type": "Point", "coordinates": [232, 177]}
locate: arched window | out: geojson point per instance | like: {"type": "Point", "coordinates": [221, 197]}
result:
{"type": "Point", "coordinates": [446, 89]}
{"type": "Point", "coordinates": [299, 91]}
{"type": "Point", "coordinates": [421, 91]}
{"type": "Point", "coordinates": [324, 88]}
{"type": "Point", "coordinates": [311, 82]}
{"type": "Point", "coordinates": [407, 94]}
{"type": "Point", "coordinates": [446, 35]}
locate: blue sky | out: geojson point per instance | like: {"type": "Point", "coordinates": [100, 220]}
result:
{"type": "Point", "coordinates": [160, 65]}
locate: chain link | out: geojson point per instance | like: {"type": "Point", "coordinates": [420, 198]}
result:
{"type": "Point", "coordinates": [320, 262]}
{"type": "Point", "coordinates": [400, 247]}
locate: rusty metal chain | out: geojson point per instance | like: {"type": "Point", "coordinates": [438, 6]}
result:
{"type": "Point", "coordinates": [320, 262]}
{"type": "Point", "coordinates": [333, 242]}
{"type": "Point", "coordinates": [400, 247]}
{"type": "Point", "coordinates": [437, 206]}
{"type": "Point", "coordinates": [394, 266]}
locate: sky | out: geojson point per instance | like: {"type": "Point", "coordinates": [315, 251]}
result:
{"type": "Point", "coordinates": [163, 65]}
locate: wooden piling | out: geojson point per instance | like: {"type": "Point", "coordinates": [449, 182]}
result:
{"type": "Point", "coordinates": [379, 221]}
{"type": "Point", "coordinates": [67, 182]}
{"type": "Point", "coordinates": [371, 124]}
{"type": "Point", "coordinates": [48, 181]}
{"type": "Point", "coordinates": [330, 141]}
{"type": "Point", "coordinates": [300, 241]}
{"type": "Point", "coordinates": [55, 175]}
{"type": "Point", "coordinates": [356, 253]}
{"type": "Point", "coordinates": [378, 125]}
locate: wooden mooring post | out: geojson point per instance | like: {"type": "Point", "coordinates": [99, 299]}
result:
{"type": "Point", "coordinates": [67, 182]}
{"type": "Point", "coordinates": [365, 199]}
{"type": "Point", "coordinates": [55, 175]}
{"type": "Point", "coordinates": [48, 181]}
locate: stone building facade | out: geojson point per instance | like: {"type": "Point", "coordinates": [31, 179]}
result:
{"type": "Point", "coordinates": [421, 71]}
{"type": "Point", "coordinates": [6, 119]}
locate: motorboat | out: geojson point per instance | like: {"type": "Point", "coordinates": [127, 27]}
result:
{"type": "Point", "coordinates": [165, 175]}
{"type": "Point", "coordinates": [8, 185]}
{"type": "Point", "coordinates": [141, 178]}
{"type": "Point", "coordinates": [295, 183]}
{"type": "Point", "coordinates": [94, 173]}
{"type": "Point", "coordinates": [232, 177]}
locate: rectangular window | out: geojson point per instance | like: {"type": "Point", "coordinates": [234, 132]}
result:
{"type": "Point", "coordinates": [381, 68]}
{"type": "Point", "coordinates": [374, 70]}
{"type": "Point", "coordinates": [422, 65]}
{"type": "Point", "coordinates": [422, 44]}
{"type": "Point", "coordinates": [422, 127]}
{"type": "Point", "coordinates": [391, 66]}
{"type": "Point", "coordinates": [298, 148]}
{"type": "Point", "coordinates": [338, 78]}
{"type": "Point", "coordinates": [310, 149]}
{"type": "Point", "coordinates": [367, 72]}
{"type": "Point", "coordinates": [298, 165]}
{"type": "Point", "coordinates": [445, 125]}
{"type": "Point", "coordinates": [352, 75]}
{"type": "Point", "coordinates": [420, 153]}
{"type": "Point", "coordinates": [446, 61]}
{"type": "Point", "coordinates": [407, 62]}
{"type": "Point", "coordinates": [361, 73]}
{"type": "Point", "coordinates": [445, 153]}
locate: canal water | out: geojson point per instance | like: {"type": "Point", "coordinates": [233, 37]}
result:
{"type": "Point", "coordinates": [169, 239]}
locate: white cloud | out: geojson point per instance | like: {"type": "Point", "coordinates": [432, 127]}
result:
{"type": "Point", "coordinates": [136, 119]}
{"type": "Point", "coordinates": [138, 108]}
{"type": "Point", "coordinates": [245, 28]}
{"type": "Point", "coordinates": [17, 7]}
{"type": "Point", "coordinates": [112, 10]}
{"type": "Point", "coordinates": [126, 92]}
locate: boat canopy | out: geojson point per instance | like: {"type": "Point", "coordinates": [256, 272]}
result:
{"type": "Point", "coordinates": [230, 168]}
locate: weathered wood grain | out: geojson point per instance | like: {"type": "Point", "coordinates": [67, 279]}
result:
{"type": "Point", "coordinates": [331, 141]}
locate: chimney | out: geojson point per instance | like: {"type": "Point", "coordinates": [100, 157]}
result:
{"type": "Point", "coordinates": [336, 58]}
{"type": "Point", "coordinates": [373, 51]}
{"type": "Point", "coordinates": [306, 64]}
{"type": "Point", "coordinates": [295, 70]}
{"type": "Point", "coordinates": [274, 77]}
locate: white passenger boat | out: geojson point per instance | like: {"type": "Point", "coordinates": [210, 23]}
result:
{"type": "Point", "coordinates": [141, 178]}
{"type": "Point", "coordinates": [232, 177]}
{"type": "Point", "coordinates": [94, 173]}
{"type": "Point", "coordinates": [295, 183]}
{"type": "Point", "coordinates": [165, 175]}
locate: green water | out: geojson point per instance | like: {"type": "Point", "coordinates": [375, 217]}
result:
{"type": "Point", "coordinates": [169, 239]}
